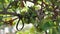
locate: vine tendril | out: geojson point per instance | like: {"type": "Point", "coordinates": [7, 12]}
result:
{"type": "Point", "coordinates": [20, 18]}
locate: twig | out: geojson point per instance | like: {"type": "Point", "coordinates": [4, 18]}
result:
{"type": "Point", "coordinates": [10, 13]}
{"type": "Point", "coordinates": [12, 3]}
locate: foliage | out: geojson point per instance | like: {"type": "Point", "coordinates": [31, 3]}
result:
{"type": "Point", "coordinates": [43, 14]}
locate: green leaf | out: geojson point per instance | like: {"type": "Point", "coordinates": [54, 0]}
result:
{"type": "Point", "coordinates": [1, 6]}
{"type": "Point", "coordinates": [1, 17]}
